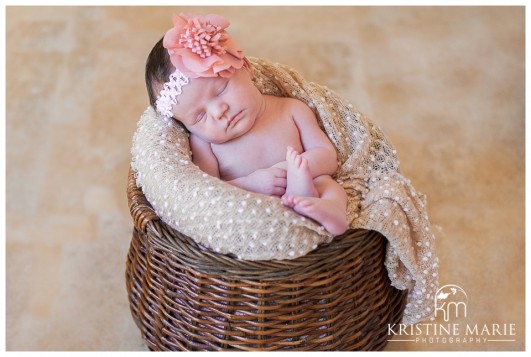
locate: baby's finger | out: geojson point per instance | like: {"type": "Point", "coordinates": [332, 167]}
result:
{"type": "Point", "coordinates": [281, 182]}
{"type": "Point", "coordinates": [281, 173]}
{"type": "Point", "coordinates": [279, 191]}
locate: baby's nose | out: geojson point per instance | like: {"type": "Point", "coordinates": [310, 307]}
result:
{"type": "Point", "coordinates": [219, 110]}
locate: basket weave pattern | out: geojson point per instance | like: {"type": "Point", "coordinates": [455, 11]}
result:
{"type": "Point", "coordinates": [185, 297]}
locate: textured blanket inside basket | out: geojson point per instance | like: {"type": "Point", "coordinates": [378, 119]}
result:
{"type": "Point", "coordinates": [257, 227]}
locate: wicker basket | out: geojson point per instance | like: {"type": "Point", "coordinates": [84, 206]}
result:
{"type": "Point", "coordinates": [185, 297]}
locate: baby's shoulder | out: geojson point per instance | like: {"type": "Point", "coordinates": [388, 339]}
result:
{"type": "Point", "coordinates": [300, 111]}
{"type": "Point", "coordinates": [293, 105]}
{"type": "Point", "coordinates": [294, 102]}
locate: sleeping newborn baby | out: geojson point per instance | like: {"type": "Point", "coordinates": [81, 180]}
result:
{"type": "Point", "coordinates": [265, 144]}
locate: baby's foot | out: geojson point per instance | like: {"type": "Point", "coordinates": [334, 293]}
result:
{"type": "Point", "coordinates": [300, 180]}
{"type": "Point", "coordinates": [325, 212]}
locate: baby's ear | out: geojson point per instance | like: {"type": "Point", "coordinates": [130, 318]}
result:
{"type": "Point", "coordinates": [249, 67]}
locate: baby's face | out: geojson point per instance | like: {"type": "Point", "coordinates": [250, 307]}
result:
{"type": "Point", "coordinates": [219, 109]}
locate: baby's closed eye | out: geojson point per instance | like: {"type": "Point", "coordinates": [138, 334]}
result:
{"type": "Point", "coordinates": [223, 88]}
{"type": "Point", "coordinates": [200, 116]}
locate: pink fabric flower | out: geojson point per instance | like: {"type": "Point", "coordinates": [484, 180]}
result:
{"type": "Point", "coordinates": [199, 46]}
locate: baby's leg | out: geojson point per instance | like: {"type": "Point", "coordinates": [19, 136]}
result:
{"type": "Point", "coordinates": [329, 209]}
{"type": "Point", "coordinates": [300, 180]}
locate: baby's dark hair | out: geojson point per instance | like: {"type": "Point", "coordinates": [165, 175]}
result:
{"type": "Point", "coordinates": [158, 70]}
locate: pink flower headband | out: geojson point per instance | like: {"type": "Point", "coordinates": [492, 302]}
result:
{"type": "Point", "coordinates": [198, 46]}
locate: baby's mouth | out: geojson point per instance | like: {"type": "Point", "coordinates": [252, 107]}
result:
{"type": "Point", "coordinates": [234, 119]}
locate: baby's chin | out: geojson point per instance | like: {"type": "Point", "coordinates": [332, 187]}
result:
{"type": "Point", "coordinates": [219, 140]}
{"type": "Point", "coordinates": [225, 140]}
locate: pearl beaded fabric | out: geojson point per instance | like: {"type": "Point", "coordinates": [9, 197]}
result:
{"type": "Point", "coordinates": [252, 226]}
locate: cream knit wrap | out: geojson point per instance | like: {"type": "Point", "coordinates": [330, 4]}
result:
{"type": "Point", "coordinates": [257, 227]}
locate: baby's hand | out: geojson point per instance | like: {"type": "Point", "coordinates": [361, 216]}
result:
{"type": "Point", "coordinates": [271, 181]}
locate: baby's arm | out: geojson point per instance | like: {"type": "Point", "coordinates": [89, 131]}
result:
{"type": "Point", "coordinates": [203, 156]}
{"type": "Point", "coordinates": [318, 150]}
{"type": "Point", "coordinates": [269, 181]}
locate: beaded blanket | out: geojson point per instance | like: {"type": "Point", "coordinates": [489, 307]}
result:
{"type": "Point", "coordinates": [252, 226]}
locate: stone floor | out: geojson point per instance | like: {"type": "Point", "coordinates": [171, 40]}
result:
{"type": "Point", "coordinates": [445, 84]}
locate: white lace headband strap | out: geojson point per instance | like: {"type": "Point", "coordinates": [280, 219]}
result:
{"type": "Point", "coordinates": [168, 95]}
